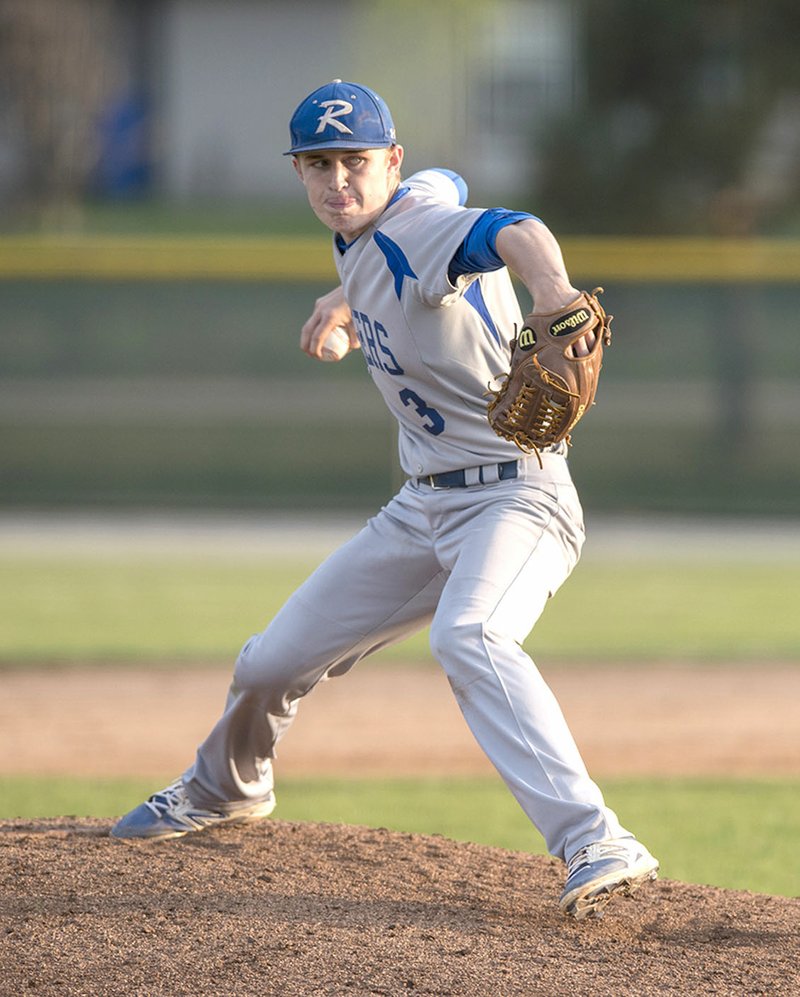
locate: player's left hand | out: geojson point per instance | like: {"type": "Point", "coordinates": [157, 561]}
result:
{"type": "Point", "coordinates": [330, 311]}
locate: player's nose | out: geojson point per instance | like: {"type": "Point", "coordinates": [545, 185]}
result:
{"type": "Point", "coordinates": [339, 176]}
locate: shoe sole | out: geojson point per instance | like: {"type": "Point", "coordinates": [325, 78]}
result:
{"type": "Point", "coordinates": [135, 839]}
{"type": "Point", "coordinates": [580, 905]}
{"type": "Point", "coordinates": [171, 834]}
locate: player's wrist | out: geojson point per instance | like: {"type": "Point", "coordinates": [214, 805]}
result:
{"type": "Point", "coordinates": [553, 298]}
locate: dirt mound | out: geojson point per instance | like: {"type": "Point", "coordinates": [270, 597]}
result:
{"type": "Point", "coordinates": [310, 909]}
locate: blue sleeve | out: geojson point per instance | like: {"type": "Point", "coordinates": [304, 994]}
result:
{"type": "Point", "coordinates": [477, 253]}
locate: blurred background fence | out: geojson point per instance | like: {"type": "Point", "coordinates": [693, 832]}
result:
{"type": "Point", "coordinates": [166, 373]}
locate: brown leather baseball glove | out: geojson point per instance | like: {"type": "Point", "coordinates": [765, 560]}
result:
{"type": "Point", "coordinates": [550, 386]}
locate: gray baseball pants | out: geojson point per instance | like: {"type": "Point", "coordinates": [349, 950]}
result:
{"type": "Point", "coordinates": [478, 564]}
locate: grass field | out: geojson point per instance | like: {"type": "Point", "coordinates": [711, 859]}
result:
{"type": "Point", "coordinates": [135, 608]}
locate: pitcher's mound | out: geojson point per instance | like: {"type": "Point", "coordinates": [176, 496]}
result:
{"type": "Point", "coordinates": [312, 909]}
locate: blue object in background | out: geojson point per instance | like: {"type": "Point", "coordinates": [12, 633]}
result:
{"type": "Point", "coordinates": [124, 168]}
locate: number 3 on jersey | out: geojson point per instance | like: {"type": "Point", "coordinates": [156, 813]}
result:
{"type": "Point", "coordinates": [435, 422]}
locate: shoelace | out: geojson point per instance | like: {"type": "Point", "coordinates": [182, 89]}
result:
{"type": "Point", "coordinates": [168, 798]}
{"type": "Point", "coordinates": [595, 852]}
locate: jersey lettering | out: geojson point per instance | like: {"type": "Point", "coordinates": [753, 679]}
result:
{"type": "Point", "coordinates": [436, 424]}
{"type": "Point", "coordinates": [335, 109]}
{"type": "Point", "coordinates": [373, 338]}
{"type": "Point", "coordinates": [367, 339]}
{"type": "Point", "coordinates": [382, 335]}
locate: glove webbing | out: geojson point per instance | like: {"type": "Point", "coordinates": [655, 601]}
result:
{"type": "Point", "coordinates": [549, 415]}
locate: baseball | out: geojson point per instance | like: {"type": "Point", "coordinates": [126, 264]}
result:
{"type": "Point", "coordinates": [335, 345]}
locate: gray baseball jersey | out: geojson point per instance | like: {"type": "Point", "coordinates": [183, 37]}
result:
{"type": "Point", "coordinates": [431, 346]}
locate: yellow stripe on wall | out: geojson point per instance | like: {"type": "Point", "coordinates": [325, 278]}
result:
{"type": "Point", "coordinates": [588, 259]}
{"type": "Point", "coordinates": [171, 258]}
{"type": "Point", "coordinates": [684, 259]}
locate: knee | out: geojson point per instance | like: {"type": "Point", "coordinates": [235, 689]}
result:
{"type": "Point", "coordinates": [460, 648]}
{"type": "Point", "coordinates": [262, 670]}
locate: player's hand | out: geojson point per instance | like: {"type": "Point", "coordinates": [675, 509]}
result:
{"type": "Point", "coordinates": [330, 310]}
{"type": "Point", "coordinates": [583, 347]}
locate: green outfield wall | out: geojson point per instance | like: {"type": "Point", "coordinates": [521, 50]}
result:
{"type": "Point", "coordinates": [140, 371]}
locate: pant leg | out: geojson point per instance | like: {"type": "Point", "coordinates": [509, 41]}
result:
{"type": "Point", "coordinates": [378, 588]}
{"type": "Point", "coordinates": [513, 554]}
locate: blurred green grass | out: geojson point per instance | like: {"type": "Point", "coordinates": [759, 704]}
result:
{"type": "Point", "coordinates": [150, 608]}
{"type": "Point", "coordinates": [734, 833]}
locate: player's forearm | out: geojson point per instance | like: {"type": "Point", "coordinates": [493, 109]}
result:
{"type": "Point", "coordinates": [530, 250]}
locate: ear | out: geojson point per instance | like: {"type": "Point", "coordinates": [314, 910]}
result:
{"type": "Point", "coordinates": [297, 168]}
{"type": "Point", "coordinates": [395, 160]}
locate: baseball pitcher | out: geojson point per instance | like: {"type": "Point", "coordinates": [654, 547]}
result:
{"type": "Point", "coordinates": [488, 524]}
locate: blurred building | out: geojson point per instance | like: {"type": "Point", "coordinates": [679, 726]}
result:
{"type": "Point", "coordinates": [618, 116]}
{"type": "Point", "coordinates": [468, 80]}
{"type": "Point", "coordinates": [191, 98]}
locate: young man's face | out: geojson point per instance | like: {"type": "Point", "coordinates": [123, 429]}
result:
{"type": "Point", "coordinates": [349, 188]}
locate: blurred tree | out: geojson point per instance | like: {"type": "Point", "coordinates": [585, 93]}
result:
{"type": "Point", "coordinates": [689, 121]}
{"type": "Point", "coordinates": [57, 68]}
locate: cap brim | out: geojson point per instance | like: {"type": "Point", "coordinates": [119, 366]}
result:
{"type": "Point", "coordinates": [344, 144]}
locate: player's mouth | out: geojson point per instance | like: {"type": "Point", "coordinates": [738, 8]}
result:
{"type": "Point", "coordinates": [339, 204]}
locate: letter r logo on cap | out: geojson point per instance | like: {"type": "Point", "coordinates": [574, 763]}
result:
{"type": "Point", "coordinates": [335, 109]}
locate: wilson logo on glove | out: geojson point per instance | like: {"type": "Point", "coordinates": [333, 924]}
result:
{"type": "Point", "coordinates": [526, 340]}
{"type": "Point", "coordinates": [569, 323]}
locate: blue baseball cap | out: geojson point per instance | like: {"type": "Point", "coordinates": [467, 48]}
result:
{"type": "Point", "coordinates": [341, 116]}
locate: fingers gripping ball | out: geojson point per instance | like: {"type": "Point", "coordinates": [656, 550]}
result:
{"type": "Point", "coordinates": [335, 345]}
{"type": "Point", "coordinates": [555, 366]}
